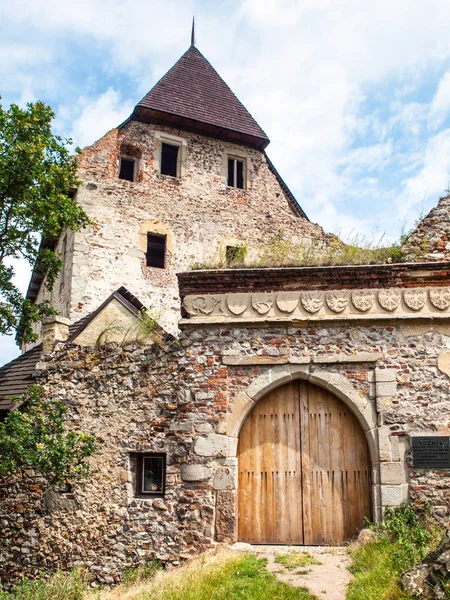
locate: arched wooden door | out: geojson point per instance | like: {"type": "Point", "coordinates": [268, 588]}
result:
{"type": "Point", "coordinates": [304, 469]}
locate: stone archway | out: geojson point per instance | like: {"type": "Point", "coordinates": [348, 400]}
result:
{"type": "Point", "coordinates": [274, 377]}
{"type": "Point", "coordinates": [304, 473]}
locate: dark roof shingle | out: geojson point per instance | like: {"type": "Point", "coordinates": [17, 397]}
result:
{"type": "Point", "coordinates": [17, 375]}
{"type": "Point", "coordinates": [194, 91]}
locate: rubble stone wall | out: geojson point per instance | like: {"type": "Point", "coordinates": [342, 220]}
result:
{"type": "Point", "coordinates": [188, 401]}
{"type": "Point", "coordinates": [430, 240]}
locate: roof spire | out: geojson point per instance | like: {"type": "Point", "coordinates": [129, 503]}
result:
{"type": "Point", "coordinates": [193, 32]}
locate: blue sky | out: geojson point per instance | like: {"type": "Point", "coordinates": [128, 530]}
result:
{"type": "Point", "coordinates": [354, 95]}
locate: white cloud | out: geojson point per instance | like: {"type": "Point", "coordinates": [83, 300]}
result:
{"type": "Point", "coordinates": [431, 180]}
{"type": "Point", "coordinates": [440, 105]}
{"type": "Point", "coordinates": [99, 115]}
{"type": "Point", "coordinates": [337, 86]}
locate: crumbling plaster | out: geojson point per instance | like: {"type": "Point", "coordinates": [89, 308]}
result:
{"type": "Point", "coordinates": [197, 211]}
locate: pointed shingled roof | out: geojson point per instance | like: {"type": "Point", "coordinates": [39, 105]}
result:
{"type": "Point", "coordinates": [192, 95]}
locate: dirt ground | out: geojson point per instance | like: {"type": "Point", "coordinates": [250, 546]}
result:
{"type": "Point", "coordinates": [328, 580]}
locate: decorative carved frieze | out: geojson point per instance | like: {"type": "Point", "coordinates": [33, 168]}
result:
{"type": "Point", "coordinates": [440, 298]}
{"type": "Point", "coordinates": [362, 300]}
{"type": "Point", "coordinates": [414, 299]}
{"type": "Point", "coordinates": [389, 299]}
{"type": "Point", "coordinates": [319, 305]}
{"type": "Point", "coordinates": [337, 300]}
{"type": "Point", "coordinates": [287, 301]}
{"type": "Point", "coordinates": [312, 302]}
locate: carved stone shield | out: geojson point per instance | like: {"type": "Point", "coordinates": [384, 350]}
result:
{"type": "Point", "coordinates": [440, 298]}
{"type": "Point", "coordinates": [337, 301]}
{"type": "Point", "coordinates": [287, 301]}
{"type": "Point", "coordinates": [389, 299]}
{"type": "Point", "coordinates": [362, 300]}
{"type": "Point", "coordinates": [262, 303]}
{"type": "Point", "coordinates": [312, 302]}
{"type": "Point", "coordinates": [414, 299]}
{"type": "Point", "coordinates": [237, 303]}
{"type": "Point", "coordinates": [205, 305]}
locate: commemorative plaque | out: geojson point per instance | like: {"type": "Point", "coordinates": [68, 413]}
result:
{"type": "Point", "coordinates": [431, 452]}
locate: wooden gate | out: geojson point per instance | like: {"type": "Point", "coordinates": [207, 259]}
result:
{"type": "Point", "coordinates": [304, 469]}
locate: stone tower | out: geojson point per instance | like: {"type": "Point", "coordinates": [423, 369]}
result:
{"type": "Point", "coordinates": [183, 181]}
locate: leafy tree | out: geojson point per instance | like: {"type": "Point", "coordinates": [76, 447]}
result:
{"type": "Point", "coordinates": [36, 174]}
{"type": "Point", "coordinates": [34, 442]}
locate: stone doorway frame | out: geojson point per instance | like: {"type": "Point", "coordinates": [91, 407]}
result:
{"type": "Point", "coordinates": [360, 405]}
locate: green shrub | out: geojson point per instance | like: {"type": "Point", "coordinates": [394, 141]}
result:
{"type": "Point", "coordinates": [401, 541]}
{"type": "Point", "coordinates": [410, 529]}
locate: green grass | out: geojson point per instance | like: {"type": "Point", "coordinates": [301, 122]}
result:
{"type": "Point", "coordinates": [141, 574]}
{"type": "Point", "coordinates": [222, 576]}
{"type": "Point", "coordinates": [62, 586]}
{"type": "Point", "coordinates": [402, 540]}
{"type": "Point", "coordinates": [295, 560]}
{"type": "Point", "coordinates": [231, 577]}
{"type": "Point", "coordinates": [376, 572]}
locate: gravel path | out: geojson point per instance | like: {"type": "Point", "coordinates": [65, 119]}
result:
{"type": "Point", "coordinates": [328, 581]}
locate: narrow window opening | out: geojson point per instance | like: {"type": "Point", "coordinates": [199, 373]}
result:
{"type": "Point", "coordinates": [156, 250]}
{"type": "Point", "coordinates": [235, 255]}
{"type": "Point", "coordinates": [126, 169]}
{"type": "Point", "coordinates": [236, 173]}
{"type": "Point", "coordinates": [150, 474]}
{"type": "Point", "coordinates": [169, 159]}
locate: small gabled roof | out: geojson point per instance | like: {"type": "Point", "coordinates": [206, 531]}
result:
{"type": "Point", "coordinates": [17, 375]}
{"type": "Point", "coordinates": [192, 95]}
{"type": "Point", "coordinates": [123, 296]}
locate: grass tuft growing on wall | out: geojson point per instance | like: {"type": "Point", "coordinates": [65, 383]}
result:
{"type": "Point", "coordinates": [280, 251]}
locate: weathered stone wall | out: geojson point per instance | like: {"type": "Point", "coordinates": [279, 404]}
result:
{"type": "Point", "coordinates": [189, 400]}
{"type": "Point", "coordinates": [430, 240]}
{"type": "Point", "coordinates": [198, 212]}
{"type": "Point", "coordinates": [60, 295]}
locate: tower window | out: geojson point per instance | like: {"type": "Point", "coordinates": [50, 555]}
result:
{"type": "Point", "coordinates": [127, 167]}
{"type": "Point", "coordinates": [156, 250]}
{"type": "Point", "coordinates": [235, 255]}
{"type": "Point", "coordinates": [236, 173]}
{"type": "Point", "coordinates": [169, 159]}
{"type": "Point", "coordinates": [150, 474]}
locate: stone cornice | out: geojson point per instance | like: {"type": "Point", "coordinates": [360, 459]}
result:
{"type": "Point", "coordinates": [336, 305]}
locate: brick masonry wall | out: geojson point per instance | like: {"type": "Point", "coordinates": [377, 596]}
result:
{"type": "Point", "coordinates": [198, 212]}
{"type": "Point", "coordinates": [314, 278]}
{"type": "Point", "coordinates": [177, 400]}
